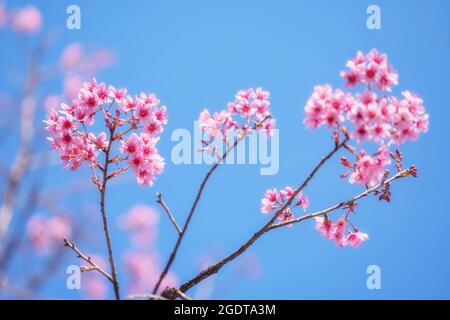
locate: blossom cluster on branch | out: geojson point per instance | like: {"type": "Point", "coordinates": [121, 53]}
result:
{"type": "Point", "coordinates": [139, 118]}
{"type": "Point", "coordinates": [249, 112]}
{"type": "Point", "coordinates": [362, 116]}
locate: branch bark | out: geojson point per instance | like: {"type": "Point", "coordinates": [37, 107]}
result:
{"type": "Point", "coordinates": [163, 204]}
{"type": "Point", "coordinates": [22, 161]}
{"type": "Point", "coordinates": [114, 279]}
{"type": "Point", "coordinates": [88, 259]}
{"type": "Point", "coordinates": [196, 201]}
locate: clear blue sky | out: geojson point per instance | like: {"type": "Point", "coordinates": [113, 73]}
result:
{"type": "Point", "coordinates": [195, 54]}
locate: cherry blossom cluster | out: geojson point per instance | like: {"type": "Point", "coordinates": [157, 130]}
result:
{"type": "Point", "coordinates": [367, 169]}
{"type": "Point", "coordinates": [370, 69]}
{"type": "Point", "coordinates": [339, 233]}
{"type": "Point", "coordinates": [135, 122]}
{"type": "Point", "coordinates": [276, 199]}
{"type": "Point", "coordinates": [250, 111]}
{"type": "Point", "coordinates": [368, 115]}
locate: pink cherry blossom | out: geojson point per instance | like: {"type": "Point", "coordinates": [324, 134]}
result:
{"type": "Point", "coordinates": [324, 226]}
{"type": "Point", "coordinates": [95, 288]}
{"type": "Point", "coordinates": [356, 238]}
{"type": "Point", "coordinates": [93, 285]}
{"type": "Point", "coordinates": [137, 132]}
{"type": "Point", "coordinates": [274, 199]}
{"type": "Point", "coordinates": [368, 115]}
{"type": "Point", "coordinates": [27, 20]}
{"type": "Point", "coordinates": [249, 110]}
{"type": "Point", "coordinates": [368, 170]}
{"type": "Point", "coordinates": [338, 233]}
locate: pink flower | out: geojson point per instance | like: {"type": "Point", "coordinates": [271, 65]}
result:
{"type": "Point", "coordinates": [72, 85]}
{"type": "Point", "coordinates": [46, 233]}
{"type": "Point", "coordinates": [71, 56]}
{"type": "Point", "coordinates": [93, 285]}
{"type": "Point", "coordinates": [118, 94]}
{"type": "Point", "coordinates": [144, 271]}
{"type": "Point", "coordinates": [36, 230]}
{"type": "Point", "coordinates": [274, 199]}
{"type": "Point", "coordinates": [335, 231]}
{"type": "Point", "coordinates": [339, 239]}
{"type": "Point", "coordinates": [95, 288]}
{"type": "Point", "coordinates": [132, 145]}
{"type": "Point", "coordinates": [3, 14]}
{"type": "Point", "coordinates": [356, 238]}
{"type": "Point", "coordinates": [369, 170]}
{"type": "Point", "coordinates": [367, 116]}
{"type": "Point", "coordinates": [68, 128]}
{"type": "Point", "coordinates": [27, 20]}
{"type": "Point", "coordinates": [324, 226]}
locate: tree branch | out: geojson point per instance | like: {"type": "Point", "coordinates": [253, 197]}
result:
{"type": "Point", "coordinates": [399, 175]}
{"type": "Point", "coordinates": [88, 259]}
{"type": "Point", "coordinates": [163, 204]}
{"type": "Point", "coordinates": [196, 201]}
{"type": "Point", "coordinates": [114, 281]}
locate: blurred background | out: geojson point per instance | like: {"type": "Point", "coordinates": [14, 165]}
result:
{"type": "Point", "coordinates": [197, 54]}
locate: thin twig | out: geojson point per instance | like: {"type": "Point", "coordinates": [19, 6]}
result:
{"type": "Point", "coordinates": [399, 175]}
{"type": "Point", "coordinates": [163, 204]}
{"type": "Point", "coordinates": [115, 281]}
{"type": "Point", "coordinates": [196, 201]}
{"type": "Point", "coordinates": [147, 296]}
{"type": "Point", "coordinates": [86, 258]}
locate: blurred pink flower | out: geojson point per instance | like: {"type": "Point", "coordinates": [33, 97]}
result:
{"type": "Point", "coordinates": [58, 228]}
{"type": "Point", "coordinates": [140, 221]}
{"type": "Point", "coordinates": [51, 102]}
{"type": "Point", "coordinates": [27, 20]}
{"type": "Point", "coordinates": [72, 85]}
{"type": "Point", "coordinates": [3, 15]}
{"type": "Point", "coordinates": [36, 230]}
{"type": "Point", "coordinates": [71, 56]}
{"type": "Point", "coordinates": [144, 271]}
{"type": "Point", "coordinates": [95, 287]}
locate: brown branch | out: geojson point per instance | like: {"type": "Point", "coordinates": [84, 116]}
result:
{"type": "Point", "coordinates": [163, 204]}
{"type": "Point", "coordinates": [114, 281]}
{"type": "Point", "coordinates": [270, 226]}
{"type": "Point", "coordinates": [364, 194]}
{"type": "Point", "coordinates": [88, 259]}
{"type": "Point", "coordinates": [215, 268]}
{"type": "Point", "coordinates": [22, 161]}
{"type": "Point", "coordinates": [196, 201]}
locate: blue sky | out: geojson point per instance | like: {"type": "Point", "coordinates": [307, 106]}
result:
{"type": "Point", "coordinates": [197, 54]}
